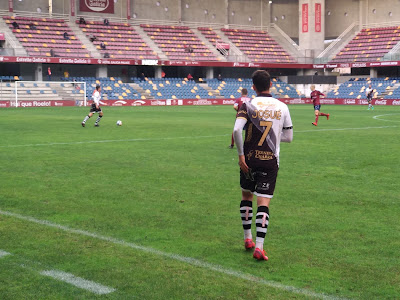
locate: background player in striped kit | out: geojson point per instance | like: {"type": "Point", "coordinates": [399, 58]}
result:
{"type": "Point", "coordinates": [236, 106]}
{"type": "Point", "coordinates": [369, 91]}
{"type": "Point", "coordinates": [95, 107]}
{"type": "Point", "coordinates": [267, 122]}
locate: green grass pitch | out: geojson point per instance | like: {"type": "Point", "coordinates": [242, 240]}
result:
{"type": "Point", "coordinates": [161, 196]}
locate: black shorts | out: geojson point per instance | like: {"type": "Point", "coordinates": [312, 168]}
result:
{"type": "Point", "coordinates": [260, 180]}
{"type": "Point", "coordinates": [317, 107]}
{"type": "Point", "coordinates": [93, 109]}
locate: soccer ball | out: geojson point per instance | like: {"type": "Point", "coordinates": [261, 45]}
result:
{"type": "Point", "coordinates": [119, 123]}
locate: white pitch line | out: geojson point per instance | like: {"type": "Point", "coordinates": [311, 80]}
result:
{"type": "Point", "coordinates": [78, 282]}
{"type": "Point", "coordinates": [115, 141]}
{"type": "Point", "coordinates": [177, 257]}
{"type": "Point", "coordinates": [378, 117]}
{"type": "Point", "coordinates": [4, 253]}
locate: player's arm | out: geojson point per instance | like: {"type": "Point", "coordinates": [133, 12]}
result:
{"type": "Point", "coordinates": [237, 135]}
{"type": "Point", "coordinates": [287, 130]}
{"type": "Point", "coordinates": [236, 106]}
{"type": "Point", "coordinates": [321, 94]}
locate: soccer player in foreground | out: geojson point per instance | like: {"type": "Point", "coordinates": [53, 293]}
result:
{"type": "Point", "coordinates": [315, 94]}
{"type": "Point", "coordinates": [267, 122]}
{"type": "Point", "coordinates": [95, 108]}
{"type": "Point", "coordinates": [238, 103]}
{"type": "Point", "coordinates": [369, 91]}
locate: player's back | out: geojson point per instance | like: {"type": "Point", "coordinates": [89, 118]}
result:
{"type": "Point", "coordinates": [268, 116]}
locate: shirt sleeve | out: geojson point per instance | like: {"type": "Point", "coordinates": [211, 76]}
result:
{"type": "Point", "coordinates": [237, 134]}
{"type": "Point", "coordinates": [287, 130]}
{"type": "Point", "coordinates": [242, 113]}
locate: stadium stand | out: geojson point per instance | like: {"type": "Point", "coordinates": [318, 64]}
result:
{"type": "Point", "coordinates": [47, 37]}
{"type": "Point", "coordinates": [210, 34]}
{"type": "Point", "coordinates": [111, 88]}
{"type": "Point", "coordinates": [172, 88]}
{"type": "Point", "coordinates": [39, 90]}
{"type": "Point", "coordinates": [175, 42]}
{"type": "Point", "coordinates": [121, 40]}
{"type": "Point", "coordinates": [369, 45]}
{"type": "Point", "coordinates": [258, 46]}
{"type": "Point", "coordinates": [231, 88]}
{"type": "Point", "coordinates": [355, 88]}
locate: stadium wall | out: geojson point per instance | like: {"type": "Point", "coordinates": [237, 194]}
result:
{"type": "Point", "coordinates": [340, 14]}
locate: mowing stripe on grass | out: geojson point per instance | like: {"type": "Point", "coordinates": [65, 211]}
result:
{"type": "Point", "coordinates": [78, 282]}
{"type": "Point", "coordinates": [343, 129]}
{"type": "Point", "coordinates": [188, 260]}
{"type": "Point", "coordinates": [114, 141]}
{"type": "Point", "coordinates": [4, 253]}
{"type": "Point", "coordinates": [179, 137]}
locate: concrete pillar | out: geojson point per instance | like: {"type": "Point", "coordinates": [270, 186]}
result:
{"type": "Point", "coordinates": [157, 71]}
{"type": "Point", "coordinates": [312, 26]}
{"type": "Point", "coordinates": [373, 73]}
{"type": "Point", "coordinates": [39, 72]}
{"type": "Point", "coordinates": [209, 72]}
{"type": "Point", "coordinates": [101, 71]}
{"type": "Point", "coordinates": [300, 72]}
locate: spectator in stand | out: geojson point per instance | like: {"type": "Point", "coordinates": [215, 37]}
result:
{"type": "Point", "coordinates": [220, 77]}
{"type": "Point", "coordinates": [92, 38]}
{"type": "Point", "coordinates": [52, 54]}
{"type": "Point", "coordinates": [32, 26]}
{"type": "Point", "coordinates": [49, 73]}
{"type": "Point", "coordinates": [82, 21]}
{"type": "Point", "coordinates": [142, 77]}
{"type": "Point", "coordinates": [66, 74]}
{"type": "Point", "coordinates": [66, 36]}
{"type": "Point", "coordinates": [106, 22]}
{"type": "Point", "coordinates": [15, 25]}
{"type": "Point", "coordinates": [162, 74]}
{"type": "Point", "coordinates": [106, 55]}
{"type": "Point", "coordinates": [103, 46]}
{"type": "Point", "coordinates": [189, 49]}
{"type": "Point", "coordinates": [190, 77]}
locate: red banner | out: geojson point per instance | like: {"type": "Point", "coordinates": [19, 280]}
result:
{"type": "Point", "coordinates": [72, 7]}
{"type": "Point", "coordinates": [128, 8]}
{"type": "Point", "coordinates": [304, 17]}
{"type": "Point", "coordinates": [318, 15]}
{"type": "Point", "coordinates": [10, 6]}
{"type": "Point", "coordinates": [98, 6]}
{"type": "Point", "coordinates": [185, 102]}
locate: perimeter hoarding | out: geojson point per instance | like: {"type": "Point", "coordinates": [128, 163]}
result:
{"type": "Point", "coordinates": [191, 102]}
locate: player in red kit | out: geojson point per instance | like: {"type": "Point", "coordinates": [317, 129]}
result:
{"type": "Point", "coordinates": [237, 105]}
{"type": "Point", "coordinates": [315, 94]}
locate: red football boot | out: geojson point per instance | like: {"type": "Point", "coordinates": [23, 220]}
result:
{"type": "Point", "coordinates": [260, 254]}
{"type": "Point", "coordinates": [315, 124]}
{"type": "Point", "coordinates": [249, 244]}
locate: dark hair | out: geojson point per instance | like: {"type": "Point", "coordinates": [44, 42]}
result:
{"type": "Point", "coordinates": [261, 80]}
{"type": "Point", "coordinates": [97, 87]}
{"type": "Point", "coordinates": [244, 91]}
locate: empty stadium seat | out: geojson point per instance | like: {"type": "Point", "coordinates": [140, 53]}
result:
{"type": "Point", "coordinates": [47, 35]}
{"type": "Point", "coordinates": [369, 45]}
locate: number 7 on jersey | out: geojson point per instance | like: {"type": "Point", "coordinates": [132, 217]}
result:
{"type": "Point", "coordinates": [267, 124]}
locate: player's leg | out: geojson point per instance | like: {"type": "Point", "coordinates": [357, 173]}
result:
{"type": "Point", "coordinates": [322, 114]}
{"type": "Point", "coordinates": [232, 142]}
{"type": "Point", "coordinates": [316, 112]}
{"type": "Point", "coordinates": [246, 208]}
{"type": "Point", "coordinates": [266, 180]}
{"type": "Point", "coordinates": [98, 118]}
{"type": "Point", "coordinates": [86, 118]}
{"type": "Point", "coordinates": [262, 221]}
{"type": "Point", "coordinates": [246, 213]}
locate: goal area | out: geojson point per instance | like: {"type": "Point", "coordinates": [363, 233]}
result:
{"type": "Point", "coordinates": [42, 93]}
